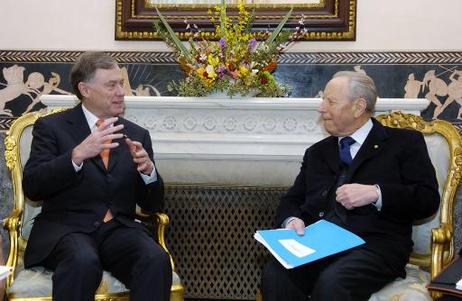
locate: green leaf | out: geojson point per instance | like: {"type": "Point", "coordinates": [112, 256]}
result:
{"type": "Point", "coordinates": [248, 26]}
{"type": "Point", "coordinates": [223, 19]}
{"type": "Point", "coordinates": [279, 28]}
{"type": "Point", "coordinates": [178, 44]}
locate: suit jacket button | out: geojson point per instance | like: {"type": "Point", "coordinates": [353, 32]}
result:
{"type": "Point", "coordinates": [321, 213]}
{"type": "Point", "coordinates": [96, 224]}
{"type": "Point", "coordinates": [324, 193]}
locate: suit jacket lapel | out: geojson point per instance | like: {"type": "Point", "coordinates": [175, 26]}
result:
{"type": "Point", "coordinates": [78, 124]}
{"type": "Point", "coordinates": [331, 154]}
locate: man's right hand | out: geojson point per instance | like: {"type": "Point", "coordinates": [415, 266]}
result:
{"type": "Point", "coordinates": [298, 225]}
{"type": "Point", "coordinates": [97, 141]}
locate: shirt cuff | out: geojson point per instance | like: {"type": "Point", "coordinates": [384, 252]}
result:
{"type": "Point", "coordinates": [77, 167]}
{"type": "Point", "coordinates": [378, 203]}
{"type": "Point", "coordinates": [148, 179]}
{"type": "Point", "coordinates": [287, 221]}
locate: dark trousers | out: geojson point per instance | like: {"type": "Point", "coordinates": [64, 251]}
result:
{"type": "Point", "coordinates": [130, 254]}
{"type": "Point", "coordinates": [349, 276]}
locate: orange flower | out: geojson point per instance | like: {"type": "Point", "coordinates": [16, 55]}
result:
{"type": "Point", "coordinates": [231, 66]}
{"type": "Point", "coordinates": [270, 67]}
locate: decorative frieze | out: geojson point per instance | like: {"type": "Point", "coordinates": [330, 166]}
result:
{"type": "Point", "coordinates": [295, 58]}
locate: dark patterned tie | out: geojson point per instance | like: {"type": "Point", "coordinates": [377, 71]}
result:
{"type": "Point", "coordinates": [344, 151]}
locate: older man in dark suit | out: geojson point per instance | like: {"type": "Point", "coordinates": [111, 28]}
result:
{"type": "Point", "coordinates": [370, 179]}
{"type": "Point", "coordinates": [90, 168]}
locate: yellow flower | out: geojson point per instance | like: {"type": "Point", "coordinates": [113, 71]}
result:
{"type": "Point", "coordinates": [207, 75]}
{"type": "Point", "coordinates": [200, 71]}
{"type": "Point", "coordinates": [213, 60]}
{"type": "Point", "coordinates": [243, 71]}
{"type": "Point", "coordinates": [211, 72]}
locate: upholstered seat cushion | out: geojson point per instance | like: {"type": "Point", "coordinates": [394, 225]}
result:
{"type": "Point", "coordinates": [36, 282]}
{"type": "Point", "coordinates": [411, 288]}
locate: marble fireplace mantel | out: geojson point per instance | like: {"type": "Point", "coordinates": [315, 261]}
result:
{"type": "Point", "coordinates": [245, 141]}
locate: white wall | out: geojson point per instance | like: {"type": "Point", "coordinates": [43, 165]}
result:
{"type": "Point", "coordinates": [391, 25]}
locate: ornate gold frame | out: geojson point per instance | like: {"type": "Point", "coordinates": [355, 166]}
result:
{"type": "Point", "coordinates": [328, 20]}
{"type": "Point", "coordinates": [13, 222]}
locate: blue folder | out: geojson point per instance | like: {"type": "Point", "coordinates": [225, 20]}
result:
{"type": "Point", "coordinates": [321, 239]}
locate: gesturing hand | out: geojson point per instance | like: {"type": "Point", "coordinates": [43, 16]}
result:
{"type": "Point", "coordinates": [140, 157]}
{"type": "Point", "coordinates": [97, 141]}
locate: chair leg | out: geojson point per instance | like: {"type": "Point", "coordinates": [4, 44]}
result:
{"type": "Point", "coordinates": [258, 297]}
{"type": "Point", "coordinates": [176, 293]}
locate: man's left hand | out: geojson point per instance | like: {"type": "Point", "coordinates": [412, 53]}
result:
{"type": "Point", "coordinates": [140, 157]}
{"type": "Point", "coordinates": [356, 195]}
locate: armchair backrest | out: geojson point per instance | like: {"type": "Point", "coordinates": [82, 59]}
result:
{"type": "Point", "coordinates": [17, 150]}
{"type": "Point", "coordinates": [434, 237]}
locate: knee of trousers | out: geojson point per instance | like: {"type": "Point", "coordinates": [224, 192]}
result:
{"type": "Point", "coordinates": [82, 264]}
{"type": "Point", "coordinates": [271, 274]}
{"type": "Point", "coordinates": [78, 270]}
{"type": "Point", "coordinates": [154, 262]}
{"type": "Point", "coordinates": [329, 279]}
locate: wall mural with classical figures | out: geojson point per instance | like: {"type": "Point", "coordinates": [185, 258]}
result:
{"type": "Point", "coordinates": [436, 76]}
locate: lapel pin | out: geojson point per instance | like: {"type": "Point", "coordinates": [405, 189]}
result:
{"type": "Point", "coordinates": [376, 146]}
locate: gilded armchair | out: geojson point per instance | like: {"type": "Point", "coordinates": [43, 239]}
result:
{"type": "Point", "coordinates": [434, 237]}
{"type": "Point", "coordinates": [35, 283]}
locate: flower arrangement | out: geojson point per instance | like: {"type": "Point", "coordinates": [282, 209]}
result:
{"type": "Point", "coordinates": [236, 64]}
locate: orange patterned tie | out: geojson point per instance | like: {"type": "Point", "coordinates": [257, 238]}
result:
{"type": "Point", "coordinates": [105, 156]}
{"type": "Point", "coordinates": [105, 152]}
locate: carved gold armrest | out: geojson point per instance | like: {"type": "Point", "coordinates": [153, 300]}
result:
{"type": "Point", "coordinates": [162, 221]}
{"type": "Point", "coordinates": [441, 248]}
{"type": "Point", "coordinates": [12, 225]}
{"type": "Point", "coordinates": [441, 239]}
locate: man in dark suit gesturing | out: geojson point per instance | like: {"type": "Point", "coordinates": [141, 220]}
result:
{"type": "Point", "coordinates": [370, 179]}
{"type": "Point", "coordinates": [90, 168]}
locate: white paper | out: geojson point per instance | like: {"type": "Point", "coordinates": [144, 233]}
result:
{"type": "Point", "coordinates": [296, 248]}
{"type": "Point", "coordinates": [459, 284]}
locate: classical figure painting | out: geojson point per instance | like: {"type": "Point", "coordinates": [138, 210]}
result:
{"type": "Point", "coordinates": [15, 87]}
{"type": "Point", "coordinates": [436, 78]}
